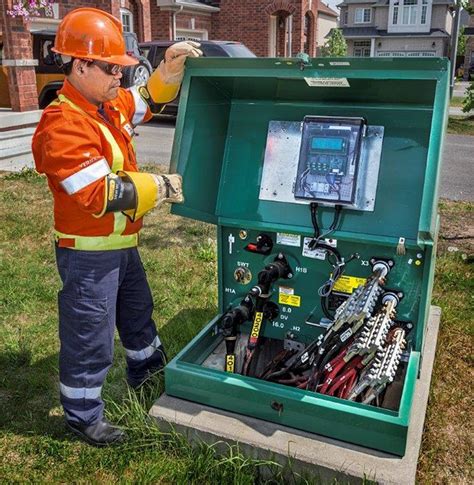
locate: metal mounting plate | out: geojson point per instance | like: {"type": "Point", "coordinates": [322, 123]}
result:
{"type": "Point", "coordinates": [281, 163]}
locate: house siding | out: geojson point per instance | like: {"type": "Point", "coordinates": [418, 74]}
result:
{"type": "Point", "coordinates": [381, 17]}
{"type": "Point", "coordinates": [325, 24]}
{"type": "Point", "coordinates": [439, 19]}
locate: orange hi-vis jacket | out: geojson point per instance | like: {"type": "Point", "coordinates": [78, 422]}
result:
{"type": "Point", "coordinates": [77, 145]}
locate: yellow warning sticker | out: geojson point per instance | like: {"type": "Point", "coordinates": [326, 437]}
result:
{"type": "Point", "coordinates": [257, 323]}
{"type": "Point", "coordinates": [347, 284]}
{"type": "Point", "coordinates": [229, 363]}
{"type": "Point", "coordinates": [292, 300]}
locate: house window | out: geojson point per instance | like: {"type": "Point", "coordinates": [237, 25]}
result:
{"type": "Point", "coordinates": [424, 10]}
{"type": "Point", "coordinates": [409, 12]}
{"type": "Point", "coordinates": [127, 19]}
{"type": "Point", "coordinates": [345, 17]}
{"type": "Point", "coordinates": [363, 15]}
{"type": "Point", "coordinates": [406, 54]}
{"type": "Point", "coordinates": [196, 35]}
{"type": "Point", "coordinates": [395, 13]}
{"type": "Point", "coordinates": [362, 48]}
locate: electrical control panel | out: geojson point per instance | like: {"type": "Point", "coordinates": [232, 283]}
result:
{"type": "Point", "coordinates": [329, 159]}
{"type": "Point", "coordinates": [322, 185]}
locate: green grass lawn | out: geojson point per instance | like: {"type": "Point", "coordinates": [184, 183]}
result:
{"type": "Point", "coordinates": [179, 257]}
{"type": "Point", "coordinates": [456, 101]}
{"type": "Point", "coordinates": [461, 125]}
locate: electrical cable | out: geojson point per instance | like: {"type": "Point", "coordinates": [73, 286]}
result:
{"type": "Point", "coordinates": [314, 219]}
{"type": "Point", "coordinates": [316, 242]}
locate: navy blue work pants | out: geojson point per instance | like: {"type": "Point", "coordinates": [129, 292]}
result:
{"type": "Point", "coordinates": [102, 290]}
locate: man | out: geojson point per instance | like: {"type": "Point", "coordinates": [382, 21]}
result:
{"type": "Point", "coordinates": [83, 144]}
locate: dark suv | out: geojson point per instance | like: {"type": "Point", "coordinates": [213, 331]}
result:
{"type": "Point", "coordinates": [155, 52]}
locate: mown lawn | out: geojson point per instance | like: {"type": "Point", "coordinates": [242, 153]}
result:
{"type": "Point", "coordinates": [461, 125]}
{"type": "Point", "coordinates": [179, 256]}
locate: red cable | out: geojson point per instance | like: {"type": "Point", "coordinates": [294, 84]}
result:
{"type": "Point", "coordinates": [331, 377]}
{"type": "Point", "coordinates": [348, 372]}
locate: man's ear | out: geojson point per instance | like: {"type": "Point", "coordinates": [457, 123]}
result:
{"type": "Point", "coordinates": [78, 66]}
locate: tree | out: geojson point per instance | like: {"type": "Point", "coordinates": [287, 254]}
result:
{"type": "Point", "coordinates": [465, 4]}
{"type": "Point", "coordinates": [461, 42]}
{"type": "Point", "coordinates": [468, 102]}
{"type": "Point", "coordinates": [335, 46]}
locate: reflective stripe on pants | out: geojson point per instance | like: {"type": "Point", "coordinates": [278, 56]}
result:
{"type": "Point", "coordinates": [101, 290]}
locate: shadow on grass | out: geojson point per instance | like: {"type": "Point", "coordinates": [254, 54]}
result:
{"type": "Point", "coordinates": [183, 327]}
{"type": "Point", "coordinates": [29, 398]}
{"type": "Point", "coordinates": [29, 390]}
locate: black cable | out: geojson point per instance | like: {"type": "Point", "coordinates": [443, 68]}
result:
{"type": "Point", "coordinates": [314, 219]}
{"type": "Point", "coordinates": [316, 242]}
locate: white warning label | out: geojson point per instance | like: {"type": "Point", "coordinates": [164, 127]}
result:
{"type": "Point", "coordinates": [327, 82]}
{"type": "Point", "coordinates": [312, 253]}
{"type": "Point", "coordinates": [288, 239]}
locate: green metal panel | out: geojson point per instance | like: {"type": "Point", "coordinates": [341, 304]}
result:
{"type": "Point", "coordinates": [408, 274]}
{"type": "Point", "coordinates": [348, 421]}
{"type": "Point", "coordinates": [226, 106]}
{"type": "Point", "coordinates": [222, 124]}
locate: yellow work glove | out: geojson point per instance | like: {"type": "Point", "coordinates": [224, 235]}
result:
{"type": "Point", "coordinates": [163, 84]}
{"type": "Point", "coordinates": [175, 57]}
{"type": "Point", "coordinates": [152, 190]}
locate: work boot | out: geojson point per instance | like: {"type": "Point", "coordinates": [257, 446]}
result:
{"type": "Point", "coordinates": [139, 373]}
{"type": "Point", "coordinates": [137, 382]}
{"type": "Point", "coordinates": [101, 433]}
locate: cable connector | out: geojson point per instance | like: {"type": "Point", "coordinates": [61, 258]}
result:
{"type": "Point", "coordinates": [401, 249]}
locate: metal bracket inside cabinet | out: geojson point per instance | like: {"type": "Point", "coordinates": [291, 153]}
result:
{"type": "Point", "coordinates": [290, 344]}
{"type": "Point", "coordinates": [281, 163]}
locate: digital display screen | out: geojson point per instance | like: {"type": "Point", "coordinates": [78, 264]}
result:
{"type": "Point", "coordinates": [319, 143]}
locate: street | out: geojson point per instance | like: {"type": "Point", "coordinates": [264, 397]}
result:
{"type": "Point", "coordinates": [155, 142]}
{"type": "Point", "coordinates": [457, 170]}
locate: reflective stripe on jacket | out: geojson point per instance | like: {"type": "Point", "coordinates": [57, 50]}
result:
{"type": "Point", "coordinates": [76, 146]}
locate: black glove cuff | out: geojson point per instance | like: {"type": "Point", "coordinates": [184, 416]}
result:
{"type": "Point", "coordinates": [155, 108]}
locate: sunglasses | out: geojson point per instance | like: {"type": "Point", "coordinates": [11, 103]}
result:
{"type": "Point", "coordinates": [110, 69]}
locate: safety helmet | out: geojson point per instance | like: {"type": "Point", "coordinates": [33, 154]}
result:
{"type": "Point", "coordinates": [90, 33]}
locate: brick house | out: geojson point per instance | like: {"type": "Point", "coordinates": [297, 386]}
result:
{"type": "Point", "coordinates": [268, 27]}
{"type": "Point", "coordinates": [397, 28]}
{"type": "Point", "coordinates": [469, 54]}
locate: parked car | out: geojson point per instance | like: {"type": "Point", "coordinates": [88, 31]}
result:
{"type": "Point", "coordinates": [49, 77]}
{"type": "Point", "coordinates": [155, 51]}
{"type": "Point", "coordinates": [139, 74]}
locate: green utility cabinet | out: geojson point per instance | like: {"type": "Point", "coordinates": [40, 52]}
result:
{"type": "Point", "coordinates": [238, 146]}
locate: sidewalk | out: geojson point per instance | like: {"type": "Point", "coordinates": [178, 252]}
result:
{"type": "Point", "coordinates": [460, 88]}
{"type": "Point", "coordinates": [456, 111]}
{"type": "Point", "coordinates": [16, 132]}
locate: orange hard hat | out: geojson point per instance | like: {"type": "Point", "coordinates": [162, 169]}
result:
{"type": "Point", "coordinates": [90, 33]}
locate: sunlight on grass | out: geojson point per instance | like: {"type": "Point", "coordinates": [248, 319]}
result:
{"type": "Point", "coordinates": [180, 259]}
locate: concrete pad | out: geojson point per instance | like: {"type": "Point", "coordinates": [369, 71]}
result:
{"type": "Point", "coordinates": [307, 453]}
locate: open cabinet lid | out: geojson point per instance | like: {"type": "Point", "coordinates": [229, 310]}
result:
{"type": "Point", "coordinates": [225, 109]}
